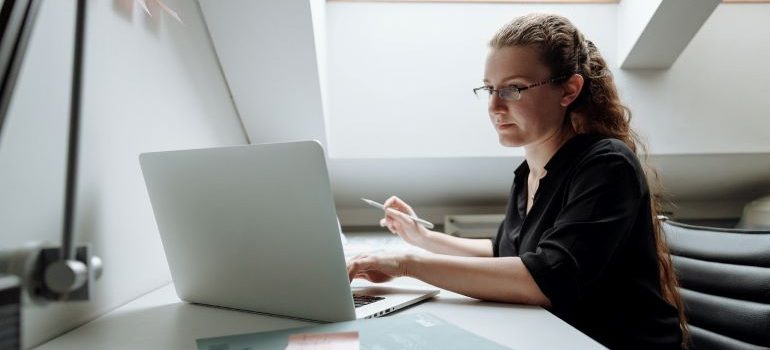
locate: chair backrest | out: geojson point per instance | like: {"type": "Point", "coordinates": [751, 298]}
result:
{"type": "Point", "coordinates": [725, 284]}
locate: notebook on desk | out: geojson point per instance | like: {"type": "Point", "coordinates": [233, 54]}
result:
{"type": "Point", "coordinates": [255, 228]}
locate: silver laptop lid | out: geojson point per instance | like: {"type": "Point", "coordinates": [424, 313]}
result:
{"type": "Point", "coordinates": [251, 227]}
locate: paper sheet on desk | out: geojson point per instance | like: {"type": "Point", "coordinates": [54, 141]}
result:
{"type": "Point", "coordinates": [418, 331]}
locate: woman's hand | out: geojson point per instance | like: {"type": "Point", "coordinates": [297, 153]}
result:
{"type": "Point", "coordinates": [378, 268]}
{"type": "Point", "coordinates": [398, 222]}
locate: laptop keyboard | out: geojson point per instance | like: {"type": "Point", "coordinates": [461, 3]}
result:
{"type": "Point", "coordinates": [361, 300]}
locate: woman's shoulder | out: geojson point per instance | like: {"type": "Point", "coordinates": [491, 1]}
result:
{"type": "Point", "coordinates": [591, 153]}
{"type": "Point", "coordinates": [610, 162]}
{"type": "Point", "coordinates": [610, 148]}
{"type": "Point", "coordinates": [609, 152]}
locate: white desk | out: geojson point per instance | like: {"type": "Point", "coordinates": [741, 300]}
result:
{"type": "Point", "coordinates": [159, 320]}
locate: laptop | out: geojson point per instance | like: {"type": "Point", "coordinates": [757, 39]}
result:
{"type": "Point", "coordinates": [254, 228]}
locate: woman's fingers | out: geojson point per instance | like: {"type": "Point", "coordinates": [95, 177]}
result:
{"type": "Point", "coordinates": [392, 225]}
{"type": "Point", "coordinates": [369, 268]}
{"type": "Point", "coordinates": [376, 276]}
{"type": "Point", "coordinates": [396, 215]}
{"type": "Point", "coordinates": [393, 200]}
{"type": "Point", "coordinates": [398, 204]}
{"type": "Point", "coordinates": [356, 266]}
{"type": "Point", "coordinates": [361, 267]}
{"type": "Point", "coordinates": [385, 222]}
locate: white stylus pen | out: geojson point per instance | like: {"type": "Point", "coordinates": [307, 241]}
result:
{"type": "Point", "coordinates": [416, 219]}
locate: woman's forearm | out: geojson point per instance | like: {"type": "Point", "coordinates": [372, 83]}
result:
{"type": "Point", "coordinates": [441, 243]}
{"type": "Point", "coordinates": [495, 279]}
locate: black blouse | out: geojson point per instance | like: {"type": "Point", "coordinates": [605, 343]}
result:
{"type": "Point", "coordinates": [588, 242]}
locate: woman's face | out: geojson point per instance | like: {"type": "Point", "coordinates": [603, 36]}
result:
{"type": "Point", "coordinates": [539, 112]}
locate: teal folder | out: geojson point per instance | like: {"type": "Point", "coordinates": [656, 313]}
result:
{"type": "Point", "coordinates": [409, 331]}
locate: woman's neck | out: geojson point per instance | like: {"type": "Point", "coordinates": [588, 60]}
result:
{"type": "Point", "coordinates": [538, 154]}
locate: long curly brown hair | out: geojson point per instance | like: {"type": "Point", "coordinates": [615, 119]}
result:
{"type": "Point", "coordinates": [597, 110]}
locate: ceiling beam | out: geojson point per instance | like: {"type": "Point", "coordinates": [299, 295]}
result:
{"type": "Point", "coordinates": [654, 38]}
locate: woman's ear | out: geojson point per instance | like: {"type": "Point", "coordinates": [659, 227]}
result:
{"type": "Point", "coordinates": [572, 88]}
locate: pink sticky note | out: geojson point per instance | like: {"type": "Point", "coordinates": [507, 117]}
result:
{"type": "Point", "coordinates": [324, 341]}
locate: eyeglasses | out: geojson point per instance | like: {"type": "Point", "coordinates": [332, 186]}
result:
{"type": "Point", "coordinates": [512, 93]}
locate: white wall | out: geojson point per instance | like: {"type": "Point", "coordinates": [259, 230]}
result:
{"type": "Point", "coordinates": [400, 79]}
{"type": "Point", "coordinates": [713, 100]}
{"type": "Point", "coordinates": [401, 74]}
{"type": "Point", "coordinates": [150, 84]}
{"type": "Point", "coordinates": [267, 50]}
{"type": "Point", "coordinates": [318, 13]}
{"type": "Point", "coordinates": [633, 17]}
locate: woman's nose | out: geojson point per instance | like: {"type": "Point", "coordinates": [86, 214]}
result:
{"type": "Point", "coordinates": [496, 104]}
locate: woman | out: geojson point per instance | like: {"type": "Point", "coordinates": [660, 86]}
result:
{"type": "Point", "coordinates": [580, 236]}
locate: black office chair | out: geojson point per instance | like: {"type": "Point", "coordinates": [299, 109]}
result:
{"type": "Point", "coordinates": [725, 284]}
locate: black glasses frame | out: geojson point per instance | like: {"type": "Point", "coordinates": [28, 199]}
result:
{"type": "Point", "coordinates": [513, 93]}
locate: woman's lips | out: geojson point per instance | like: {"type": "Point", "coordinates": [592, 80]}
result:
{"type": "Point", "coordinates": [505, 126]}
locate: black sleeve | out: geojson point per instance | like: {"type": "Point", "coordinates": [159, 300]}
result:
{"type": "Point", "coordinates": [496, 240]}
{"type": "Point", "coordinates": [603, 201]}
